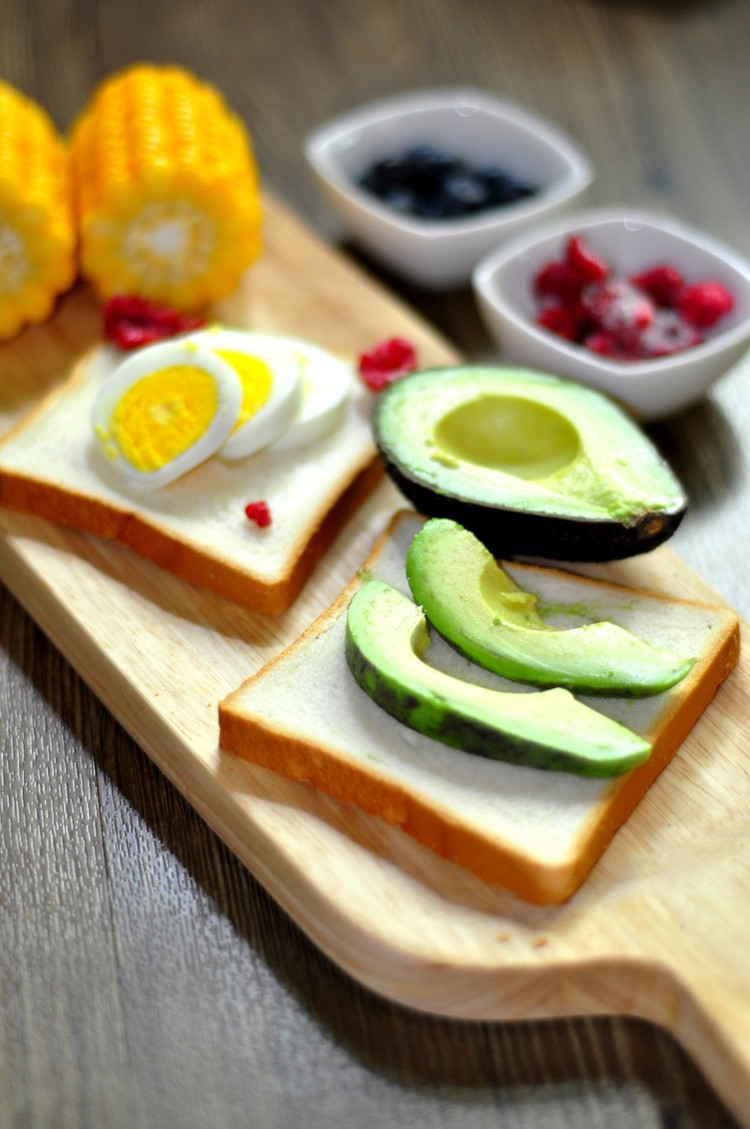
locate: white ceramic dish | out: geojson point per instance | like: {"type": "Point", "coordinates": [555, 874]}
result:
{"type": "Point", "coordinates": [470, 124]}
{"type": "Point", "coordinates": [630, 241]}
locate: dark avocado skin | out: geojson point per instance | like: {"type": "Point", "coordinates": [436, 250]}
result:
{"type": "Point", "coordinates": [511, 533]}
{"type": "Point", "coordinates": [437, 720]}
{"type": "Point", "coordinates": [443, 725]}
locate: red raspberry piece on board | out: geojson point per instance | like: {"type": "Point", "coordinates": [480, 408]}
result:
{"type": "Point", "coordinates": [131, 322]}
{"type": "Point", "coordinates": [704, 303]}
{"type": "Point", "coordinates": [618, 306]}
{"type": "Point", "coordinates": [559, 281]}
{"type": "Point", "coordinates": [386, 362]}
{"type": "Point", "coordinates": [584, 261]}
{"type": "Point", "coordinates": [662, 283]}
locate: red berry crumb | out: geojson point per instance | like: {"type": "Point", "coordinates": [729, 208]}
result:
{"type": "Point", "coordinates": [704, 303]}
{"type": "Point", "coordinates": [386, 362]}
{"type": "Point", "coordinates": [259, 513]}
{"type": "Point", "coordinates": [131, 322]}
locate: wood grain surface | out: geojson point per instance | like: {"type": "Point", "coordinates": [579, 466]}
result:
{"type": "Point", "coordinates": [148, 979]}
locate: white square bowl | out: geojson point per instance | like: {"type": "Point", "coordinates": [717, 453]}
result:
{"type": "Point", "coordinates": [630, 241]}
{"type": "Point", "coordinates": [470, 124]}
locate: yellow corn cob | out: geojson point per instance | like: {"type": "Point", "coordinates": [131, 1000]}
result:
{"type": "Point", "coordinates": [166, 189]}
{"type": "Point", "coordinates": [37, 233]}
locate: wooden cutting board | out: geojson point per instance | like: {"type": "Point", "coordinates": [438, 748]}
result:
{"type": "Point", "coordinates": [659, 930]}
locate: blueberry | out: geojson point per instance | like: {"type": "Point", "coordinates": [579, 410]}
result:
{"type": "Point", "coordinates": [503, 187]}
{"type": "Point", "coordinates": [427, 156]}
{"type": "Point", "coordinates": [383, 175]}
{"type": "Point", "coordinates": [465, 193]}
{"type": "Point", "coordinates": [402, 199]}
{"type": "Point", "coordinates": [433, 207]}
{"type": "Point", "coordinates": [425, 180]}
{"type": "Point", "coordinates": [428, 165]}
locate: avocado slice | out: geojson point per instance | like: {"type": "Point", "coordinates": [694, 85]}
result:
{"type": "Point", "coordinates": [479, 608]}
{"type": "Point", "coordinates": [386, 637]}
{"type": "Point", "coordinates": [533, 464]}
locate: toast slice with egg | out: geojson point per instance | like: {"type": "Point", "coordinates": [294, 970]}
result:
{"type": "Point", "coordinates": [196, 526]}
{"type": "Point", "coordinates": [532, 831]}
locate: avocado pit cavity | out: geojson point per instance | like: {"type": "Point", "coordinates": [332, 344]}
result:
{"type": "Point", "coordinates": [519, 437]}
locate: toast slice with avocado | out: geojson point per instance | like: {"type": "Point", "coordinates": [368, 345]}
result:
{"type": "Point", "coordinates": [534, 831]}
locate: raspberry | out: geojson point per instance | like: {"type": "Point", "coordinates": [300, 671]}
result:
{"type": "Point", "coordinates": [386, 362]}
{"type": "Point", "coordinates": [704, 303]}
{"type": "Point", "coordinates": [609, 344]}
{"type": "Point", "coordinates": [565, 321]}
{"type": "Point", "coordinates": [580, 257]}
{"type": "Point", "coordinates": [668, 333]}
{"type": "Point", "coordinates": [259, 513]}
{"type": "Point", "coordinates": [617, 306]}
{"type": "Point", "coordinates": [560, 281]}
{"type": "Point", "coordinates": [663, 284]}
{"type": "Point", "coordinates": [650, 314]}
{"type": "Point", "coordinates": [131, 322]}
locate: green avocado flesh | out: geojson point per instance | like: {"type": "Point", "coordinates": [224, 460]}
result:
{"type": "Point", "coordinates": [386, 638]}
{"type": "Point", "coordinates": [533, 464]}
{"type": "Point", "coordinates": [478, 608]}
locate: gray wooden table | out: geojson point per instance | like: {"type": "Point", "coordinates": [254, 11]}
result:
{"type": "Point", "coordinates": [145, 978]}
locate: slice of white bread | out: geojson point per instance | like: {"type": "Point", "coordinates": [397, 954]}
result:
{"type": "Point", "coordinates": [196, 527]}
{"type": "Point", "coordinates": [534, 832]}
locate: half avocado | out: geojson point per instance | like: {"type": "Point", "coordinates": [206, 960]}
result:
{"type": "Point", "coordinates": [532, 464]}
{"type": "Point", "coordinates": [481, 611]}
{"type": "Point", "coordinates": [386, 637]}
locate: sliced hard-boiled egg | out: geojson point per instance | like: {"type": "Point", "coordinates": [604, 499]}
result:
{"type": "Point", "coordinates": [327, 383]}
{"type": "Point", "coordinates": [270, 372]}
{"type": "Point", "coordinates": [165, 410]}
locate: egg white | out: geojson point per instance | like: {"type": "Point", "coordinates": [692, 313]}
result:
{"type": "Point", "coordinates": [327, 385]}
{"type": "Point", "coordinates": [285, 399]}
{"type": "Point", "coordinates": [143, 363]}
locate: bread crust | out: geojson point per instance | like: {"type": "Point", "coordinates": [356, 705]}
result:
{"type": "Point", "coordinates": [119, 519]}
{"type": "Point", "coordinates": [324, 767]}
{"type": "Point", "coordinates": [197, 566]}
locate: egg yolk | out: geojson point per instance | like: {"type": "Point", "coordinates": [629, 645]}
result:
{"type": "Point", "coordinates": [256, 380]}
{"type": "Point", "coordinates": [163, 414]}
